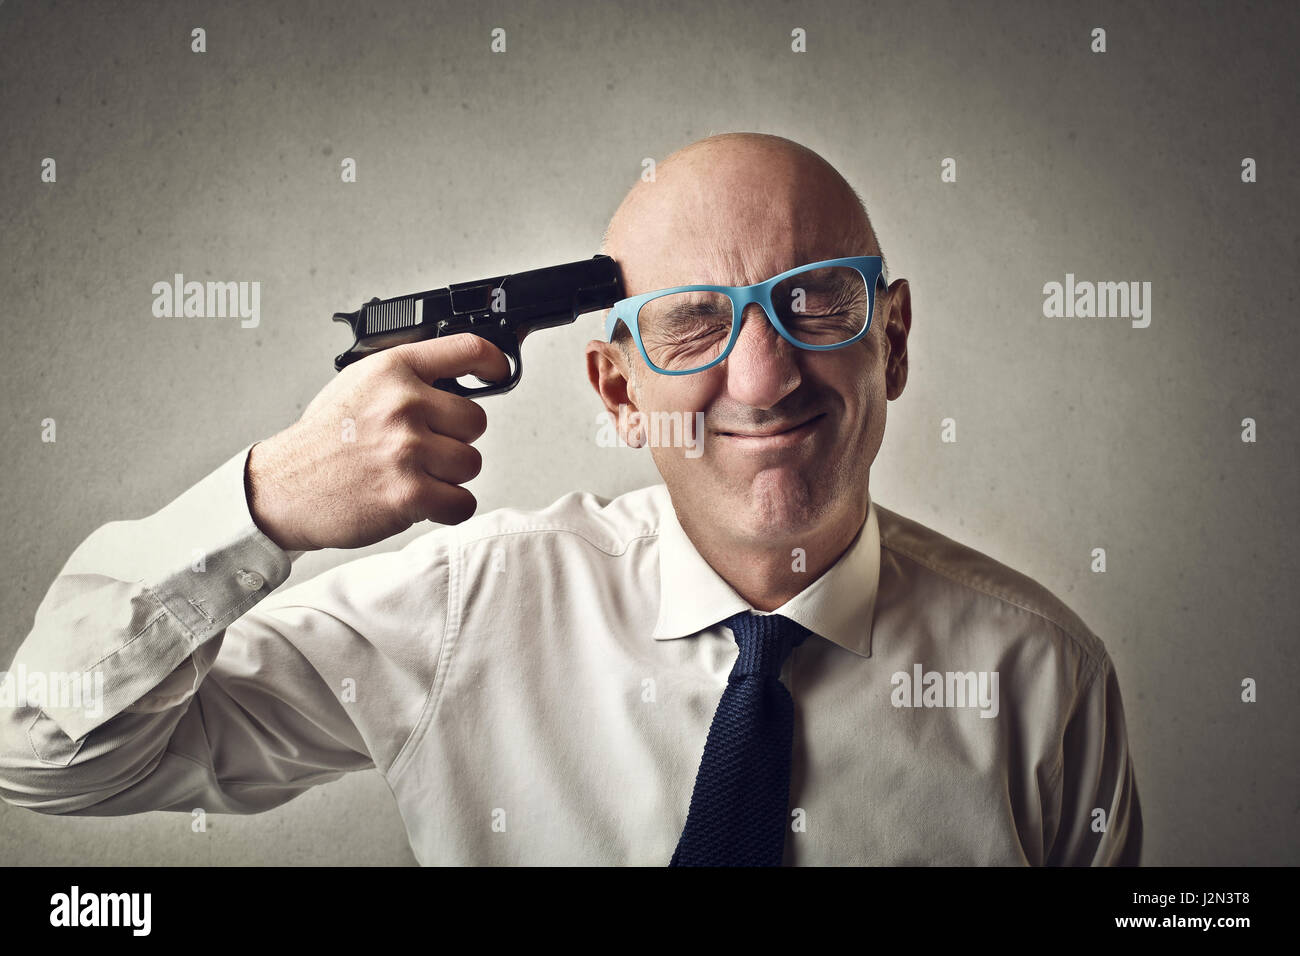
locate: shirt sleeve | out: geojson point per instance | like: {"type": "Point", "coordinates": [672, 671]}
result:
{"type": "Point", "coordinates": [1100, 812]}
{"type": "Point", "coordinates": [158, 675]}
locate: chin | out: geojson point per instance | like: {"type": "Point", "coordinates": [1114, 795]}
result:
{"type": "Point", "coordinates": [782, 503]}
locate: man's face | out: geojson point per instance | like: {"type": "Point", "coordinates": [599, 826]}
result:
{"type": "Point", "coordinates": [788, 434]}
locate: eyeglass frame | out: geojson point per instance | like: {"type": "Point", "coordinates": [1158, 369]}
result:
{"type": "Point", "coordinates": [760, 294]}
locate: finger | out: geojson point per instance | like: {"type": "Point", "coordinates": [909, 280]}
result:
{"type": "Point", "coordinates": [451, 461]}
{"type": "Point", "coordinates": [453, 356]}
{"type": "Point", "coordinates": [435, 500]}
{"type": "Point", "coordinates": [453, 415]}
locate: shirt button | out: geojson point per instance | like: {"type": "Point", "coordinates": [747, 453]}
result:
{"type": "Point", "coordinates": [250, 580]}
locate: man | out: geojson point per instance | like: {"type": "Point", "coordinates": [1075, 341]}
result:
{"type": "Point", "coordinates": [751, 663]}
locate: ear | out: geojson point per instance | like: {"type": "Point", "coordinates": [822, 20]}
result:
{"type": "Point", "coordinates": [609, 375]}
{"type": "Point", "coordinates": [898, 323]}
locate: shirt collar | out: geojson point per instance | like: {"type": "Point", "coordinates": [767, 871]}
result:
{"type": "Point", "coordinates": [838, 606]}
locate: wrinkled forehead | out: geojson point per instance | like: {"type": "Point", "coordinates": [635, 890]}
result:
{"type": "Point", "coordinates": [740, 237]}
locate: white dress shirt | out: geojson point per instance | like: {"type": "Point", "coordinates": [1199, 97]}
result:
{"type": "Point", "coordinates": [536, 688]}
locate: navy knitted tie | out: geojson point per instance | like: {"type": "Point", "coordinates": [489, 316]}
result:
{"type": "Point", "coordinates": [742, 791]}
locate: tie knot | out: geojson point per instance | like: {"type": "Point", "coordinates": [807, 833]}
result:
{"type": "Point", "coordinates": [765, 640]}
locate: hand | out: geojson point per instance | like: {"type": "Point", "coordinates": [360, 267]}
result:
{"type": "Point", "coordinates": [378, 449]}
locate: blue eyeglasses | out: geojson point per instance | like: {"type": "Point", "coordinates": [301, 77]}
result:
{"type": "Point", "coordinates": [823, 305]}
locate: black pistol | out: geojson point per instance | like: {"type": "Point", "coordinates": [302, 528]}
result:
{"type": "Point", "coordinates": [502, 310]}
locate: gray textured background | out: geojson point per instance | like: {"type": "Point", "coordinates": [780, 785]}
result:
{"type": "Point", "coordinates": [1072, 434]}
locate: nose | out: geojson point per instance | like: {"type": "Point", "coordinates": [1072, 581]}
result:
{"type": "Point", "coordinates": [762, 368]}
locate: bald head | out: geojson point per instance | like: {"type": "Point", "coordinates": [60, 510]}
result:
{"type": "Point", "coordinates": [734, 204]}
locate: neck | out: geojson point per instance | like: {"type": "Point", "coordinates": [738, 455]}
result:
{"type": "Point", "coordinates": [769, 572]}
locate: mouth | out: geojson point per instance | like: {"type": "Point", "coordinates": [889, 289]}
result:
{"type": "Point", "coordinates": [775, 438]}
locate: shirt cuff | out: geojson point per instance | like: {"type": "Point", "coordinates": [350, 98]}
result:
{"type": "Point", "coordinates": [146, 594]}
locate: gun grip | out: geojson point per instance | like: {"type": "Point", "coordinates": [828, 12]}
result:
{"type": "Point", "coordinates": [506, 343]}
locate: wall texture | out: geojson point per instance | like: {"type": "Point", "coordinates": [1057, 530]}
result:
{"type": "Point", "coordinates": [1072, 433]}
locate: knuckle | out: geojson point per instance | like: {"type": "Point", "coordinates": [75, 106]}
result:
{"type": "Point", "coordinates": [404, 448]}
{"type": "Point", "coordinates": [477, 346]}
{"type": "Point", "coordinates": [465, 347]}
{"type": "Point", "coordinates": [402, 401]}
{"type": "Point", "coordinates": [421, 506]}
{"type": "Point", "coordinates": [392, 418]}
{"type": "Point", "coordinates": [386, 364]}
{"type": "Point", "coordinates": [403, 497]}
